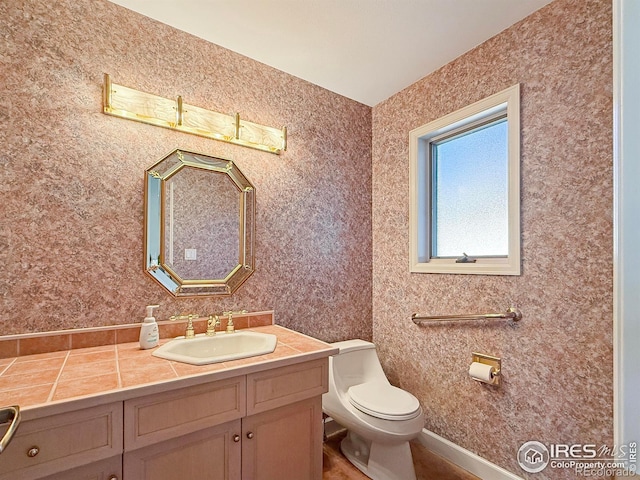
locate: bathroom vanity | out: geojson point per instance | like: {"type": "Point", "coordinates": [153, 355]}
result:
{"type": "Point", "coordinates": [258, 418]}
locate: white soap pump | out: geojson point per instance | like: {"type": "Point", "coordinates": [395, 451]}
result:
{"type": "Point", "coordinates": [149, 336]}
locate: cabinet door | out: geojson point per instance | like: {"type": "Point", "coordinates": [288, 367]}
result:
{"type": "Point", "coordinates": [110, 469]}
{"type": "Point", "coordinates": [209, 454]}
{"type": "Point", "coordinates": [284, 444]}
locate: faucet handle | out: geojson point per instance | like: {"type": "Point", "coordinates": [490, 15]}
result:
{"type": "Point", "coordinates": [230, 327]}
{"type": "Point", "coordinates": [229, 314]}
{"type": "Point", "coordinates": [190, 331]}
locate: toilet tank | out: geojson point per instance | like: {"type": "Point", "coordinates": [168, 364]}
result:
{"type": "Point", "coordinates": [357, 362]}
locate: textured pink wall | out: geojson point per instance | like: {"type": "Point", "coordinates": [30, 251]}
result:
{"type": "Point", "coordinates": [72, 218]}
{"type": "Point", "coordinates": [557, 362]}
{"type": "Point", "coordinates": [72, 178]}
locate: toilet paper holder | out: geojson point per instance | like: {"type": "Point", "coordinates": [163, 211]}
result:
{"type": "Point", "coordinates": [494, 362]}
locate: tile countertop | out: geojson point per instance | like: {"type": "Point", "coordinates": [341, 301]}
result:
{"type": "Point", "coordinates": [95, 375]}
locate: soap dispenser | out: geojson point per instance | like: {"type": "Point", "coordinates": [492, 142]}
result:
{"type": "Point", "coordinates": [149, 336]}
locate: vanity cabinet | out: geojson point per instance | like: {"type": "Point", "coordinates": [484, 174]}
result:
{"type": "Point", "coordinates": [283, 444]}
{"type": "Point", "coordinates": [265, 425]}
{"type": "Point", "coordinates": [262, 426]}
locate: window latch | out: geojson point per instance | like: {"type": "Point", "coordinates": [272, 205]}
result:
{"type": "Point", "coordinates": [465, 259]}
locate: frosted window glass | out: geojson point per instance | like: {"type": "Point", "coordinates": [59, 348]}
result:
{"type": "Point", "coordinates": [470, 179]}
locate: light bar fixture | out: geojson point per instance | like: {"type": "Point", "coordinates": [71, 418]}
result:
{"type": "Point", "coordinates": [125, 102]}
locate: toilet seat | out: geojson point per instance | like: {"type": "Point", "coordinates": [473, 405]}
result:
{"type": "Point", "coordinates": [382, 400]}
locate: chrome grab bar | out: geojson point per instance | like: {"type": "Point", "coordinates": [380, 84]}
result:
{"type": "Point", "coordinates": [512, 313]}
{"type": "Point", "coordinates": [9, 414]}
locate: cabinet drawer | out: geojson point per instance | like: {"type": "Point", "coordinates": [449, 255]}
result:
{"type": "Point", "coordinates": [162, 416]}
{"type": "Point", "coordinates": [109, 469]}
{"type": "Point", "coordinates": [64, 441]}
{"type": "Point", "coordinates": [282, 386]}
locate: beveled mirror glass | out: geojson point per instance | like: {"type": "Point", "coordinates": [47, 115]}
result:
{"type": "Point", "coordinates": [199, 224]}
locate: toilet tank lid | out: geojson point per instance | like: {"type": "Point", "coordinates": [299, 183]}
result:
{"type": "Point", "coordinates": [353, 345]}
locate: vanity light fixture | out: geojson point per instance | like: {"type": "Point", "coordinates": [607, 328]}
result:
{"type": "Point", "coordinates": [125, 102]}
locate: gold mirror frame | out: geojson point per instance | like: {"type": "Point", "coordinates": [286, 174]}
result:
{"type": "Point", "coordinates": [159, 203]}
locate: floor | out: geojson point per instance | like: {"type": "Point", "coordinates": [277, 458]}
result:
{"type": "Point", "coordinates": [428, 465]}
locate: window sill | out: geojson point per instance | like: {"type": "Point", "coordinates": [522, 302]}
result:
{"type": "Point", "coordinates": [497, 266]}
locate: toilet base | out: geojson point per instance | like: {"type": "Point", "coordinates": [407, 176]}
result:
{"type": "Point", "coordinates": [378, 461]}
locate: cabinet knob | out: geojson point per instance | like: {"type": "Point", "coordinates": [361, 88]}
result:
{"type": "Point", "coordinates": [249, 435]}
{"type": "Point", "coordinates": [112, 477]}
{"type": "Point", "coordinates": [33, 451]}
{"type": "Point", "coordinates": [236, 438]}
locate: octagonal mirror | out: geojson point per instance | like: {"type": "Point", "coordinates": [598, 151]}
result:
{"type": "Point", "coordinates": [199, 224]}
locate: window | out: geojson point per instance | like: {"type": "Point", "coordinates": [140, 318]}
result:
{"type": "Point", "coordinates": [465, 190]}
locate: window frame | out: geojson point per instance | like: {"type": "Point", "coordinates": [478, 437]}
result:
{"type": "Point", "coordinates": [420, 186]}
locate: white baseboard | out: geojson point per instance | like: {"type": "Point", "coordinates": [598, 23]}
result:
{"type": "Point", "coordinates": [331, 427]}
{"type": "Point", "coordinates": [463, 458]}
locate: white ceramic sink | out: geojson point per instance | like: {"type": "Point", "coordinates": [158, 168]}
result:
{"type": "Point", "coordinates": [221, 347]}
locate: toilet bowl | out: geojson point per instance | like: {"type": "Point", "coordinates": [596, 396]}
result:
{"type": "Point", "coordinates": [380, 418]}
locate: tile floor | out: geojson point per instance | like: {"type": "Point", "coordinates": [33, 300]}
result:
{"type": "Point", "coordinates": [428, 465]}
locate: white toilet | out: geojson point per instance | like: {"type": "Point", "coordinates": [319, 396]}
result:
{"type": "Point", "coordinates": [380, 418]}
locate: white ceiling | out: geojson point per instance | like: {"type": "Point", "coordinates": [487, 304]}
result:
{"type": "Point", "coordinates": [366, 50]}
